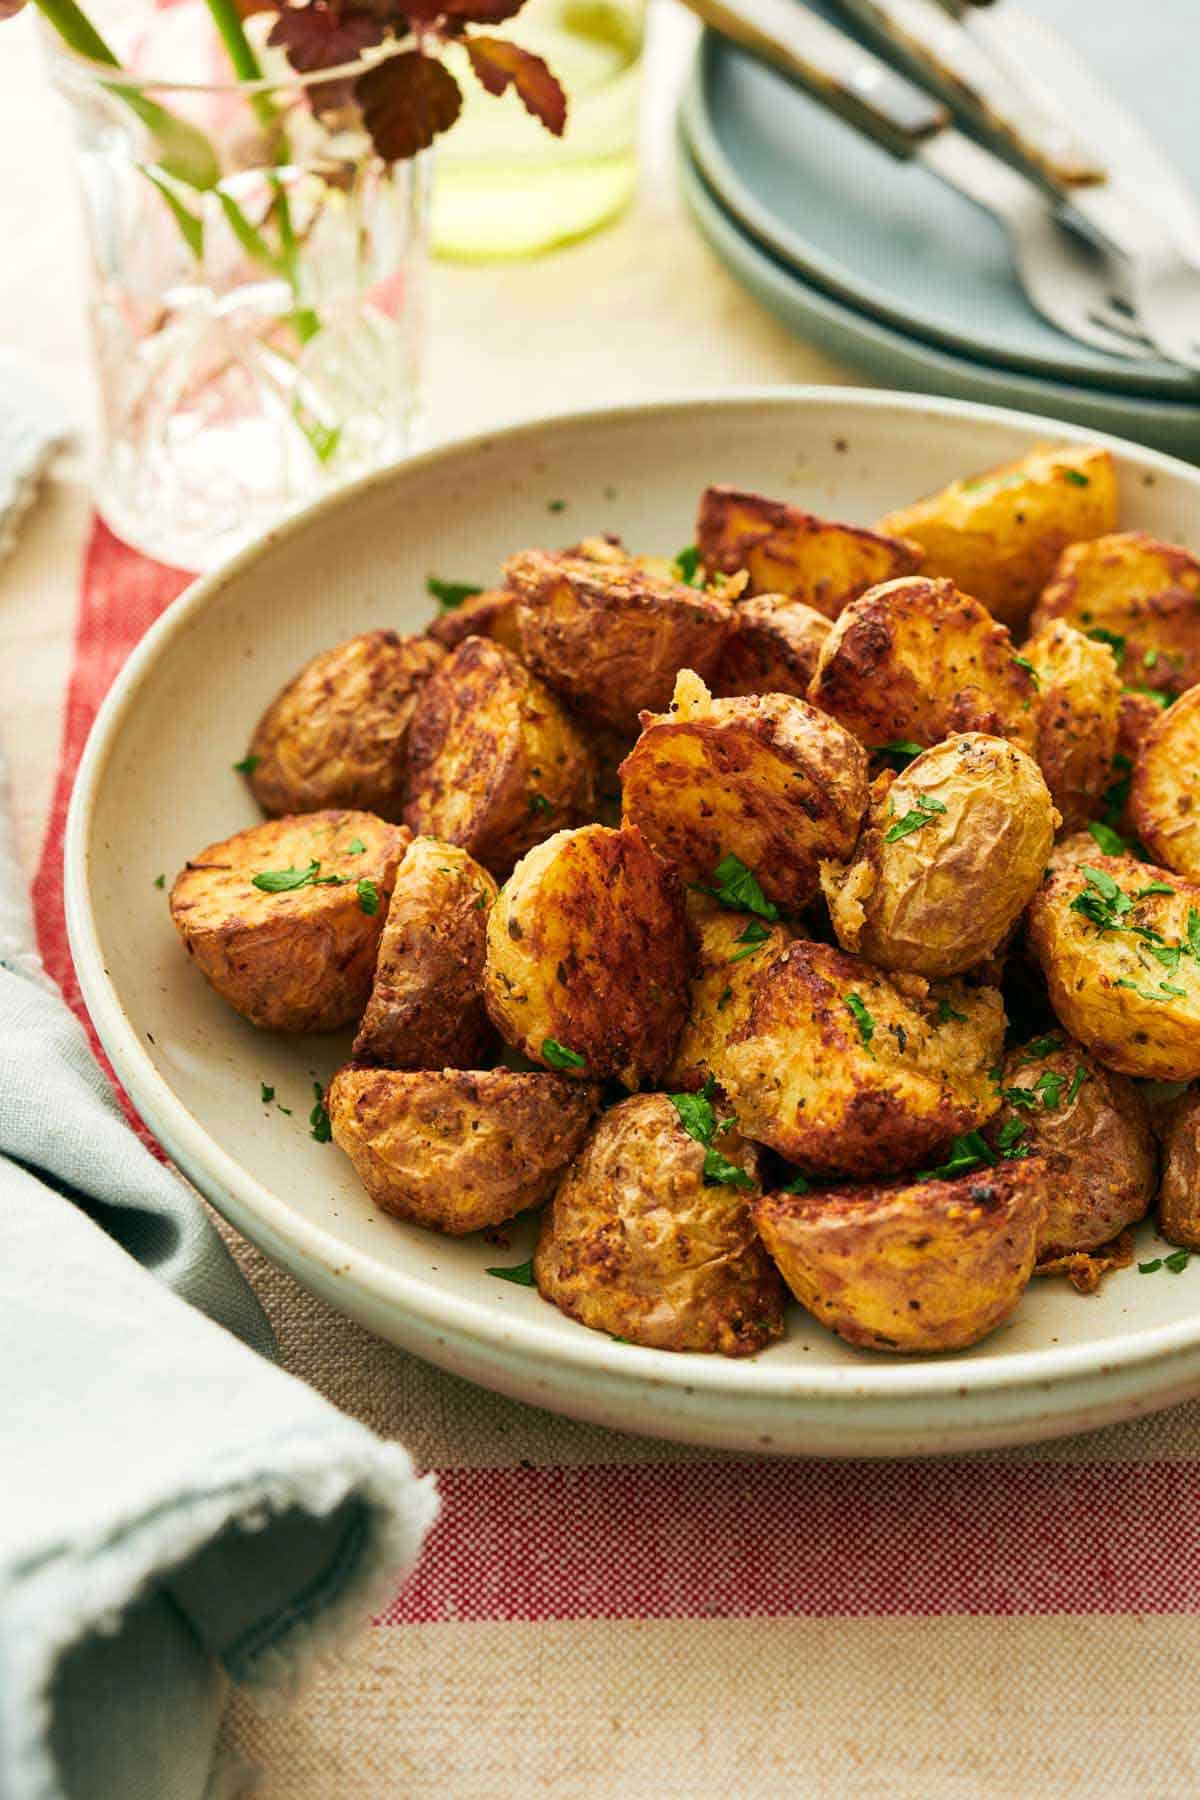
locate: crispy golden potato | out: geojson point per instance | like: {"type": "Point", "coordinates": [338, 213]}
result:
{"type": "Point", "coordinates": [999, 534]}
{"type": "Point", "coordinates": [1164, 795]}
{"type": "Point", "coordinates": [847, 1070]}
{"type": "Point", "coordinates": [611, 640]}
{"type": "Point", "coordinates": [1077, 713]}
{"type": "Point", "coordinates": [588, 956]}
{"type": "Point", "coordinates": [1139, 591]}
{"type": "Point", "coordinates": [773, 649]}
{"type": "Point", "coordinates": [297, 955]}
{"type": "Point", "coordinates": [765, 777]}
{"type": "Point", "coordinates": [426, 1008]}
{"type": "Point", "coordinates": [1092, 1131]}
{"type": "Point", "coordinates": [338, 733]}
{"type": "Point", "coordinates": [951, 853]}
{"type": "Point", "coordinates": [732, 950]}
{"type": "Point", "coordinates": [492, 614]}
{"type": "Point", "coordinates": [910, 1265]}
{"type": "Point", "coordinates": [1115, 947]}
{"type": "Point", "coordinates": [916, 660]}
{"type": "Point", "coordinates": [1137, 716]}
{"type": "Point", "coordinates": [790, 552]}
{"type": "Point", "coordinates": [640, 1243]}
{"type": "Point", "coordinates": [495, 763]}
{"type": "Point", "coordinates": [458, 1150]}
{"type": "Point", "coordinates": [1179, 1195]}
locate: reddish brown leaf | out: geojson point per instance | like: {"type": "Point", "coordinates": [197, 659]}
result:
{"type": "Point", "coordinates": [454, 14]}
{"type": "Point", "coordinates": [406, 101]}
{"type": "Point", "coordinates": [499, 64]}
{"type": "Point", "coordinates": [318, 36]}
{"type": "Point", "coordinates": [10, 8]}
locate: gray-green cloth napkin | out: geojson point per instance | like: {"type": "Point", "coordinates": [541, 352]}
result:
{"type": "Point", "coordinates": [175, 1510]}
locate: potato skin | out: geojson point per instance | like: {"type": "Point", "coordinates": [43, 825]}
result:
{"type": "Point", "coordinates": [611, 639]}
{"type": "Point", "coordinates": [491, 614]}
{"type": "Point", "coordinates": [726, 971]}
{"type": "Point", "coordinates": [1098, 1148]}
{"type": "Point", "coordinates": [1179, 1195]}
{"type": "Point", "coordinates": [790, 552]}
{"type": "Point", "coordinates": [1084, 966]}
{"type": "Point", "coordinates": [495, 763]}
{"type": "Point", "coordinates": [337, 734]}
{"type": "Point", "coordinates": [296, 961]}
{"type": "Point", "coordinates": [916, 659]}
{"type": "Point", "coordinates": [458, 1150]}
{"type": "Point", "coordinates": [940, 899]}
{"type": "Point", "coordinates": [1077, 714]}
{"type": "Point", "coordinates": [587, 945]}
{"type": "Point", "coordinates": [767, 778]}
{"type": "Point", "coordinates": [1139, 588]}
{"type": "Point", "coordinates": [802, 1079]}
{"type": "Point", "coordinates": [1164, 794]}
{"type": "Point", "coordinates": [910, 1266]}
{"type": "Point", "coordinates": [774, 648]}
{"type": "Point", "coordinates": [997, 535]}
{"type": "Point", "coordinates": [637, 1243]}
{"type": "Point", "coordinates": [426, 1008]}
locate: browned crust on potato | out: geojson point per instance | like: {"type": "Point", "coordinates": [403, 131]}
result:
{"type": "Point", "coordinates": [910, 1266]}
{"type": "Point", "coordinates": [1164, 794]}
{"type": "Point", "coordinates": [295, 961]}
{"type": "Point", "coordinates": [1077, 713]}
{"type": "Point", "coordinates": [788, 551]}
{"type": "Point", "coordinates": [491, 614]}
{"type": "Point", "coordinates": [496, 765]}
{"type": "Point", "coordinates": [611, 639]}
{"type": "Point", "coordinates": [426, 1008]}
{"type": "Point", "coordinates": [1141, 589]}
{"type": "Point", "coordinates": [1179, 1195]}
{"type": "Point", "coordinates": [639, 1244]}
{"type": "Point", "coordinates": [917, 660]}
{"type": "Point", "coordinates": [1086, 1269]}
{"type": "Point", "coordinates": [767, 778]}
{"type": "Point", "coordinates": [732, 950]}
{"type": "Point", "coordinates": [804, 1079]}
{"type": "Point", "coordinates": [336, 736]}
{"type": "Point", "coordinates": [458, 1150]}
{"type": "Point", "coordinates": [773, 649]}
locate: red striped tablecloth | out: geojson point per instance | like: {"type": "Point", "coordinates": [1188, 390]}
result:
{"type": "Point", "coordinates": [599, 1614]}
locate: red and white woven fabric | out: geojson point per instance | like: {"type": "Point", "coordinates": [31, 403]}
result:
{"type": "Point", "coordinates": [603, 1615]}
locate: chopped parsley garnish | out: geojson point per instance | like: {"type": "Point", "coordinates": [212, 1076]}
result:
{"type": "Point", "coordinates": [1023, 662]}
{"type": "Point", "coordinates": [160, 881]}
{"type": "Point", "coordinates": [286, 881]}
{"type": "Point", "coordinates": [556, 506]}
{"type": "Point", "coordinates": [450, 594]}
{"type": "Point", "coordinates": [1149, 1268]}
{"type": "Point", "coordinates": [926, 808]}
{"type": "Point", "coordinates": [561, 1056]}
{"type": "Point", "coordinates": [247, 765]}
{"type": "Point", "coordinates": [368, 897]}
{"type": "Point", "coordinates": [1042, 1046]}
{"type": "Point", "coordinates": [1159, 695]}
{"type": "Point", "coordinates": [737, 888]}
{"type": "Point", "coordinates": [863, 1019]}
{"type": "Point", "coordinates": [726, 997]}
{"type": "Point", "coordinates": [687, 565]}
{"type": "Point", "coordinates": [1021, 1098]}
{"type": "Point", "coordinates": [966, 1153]}
{"type": "Point", "coordinates": [1113, 639]}
{"type": "Point", "coordinates": [267, 1093]}
{"type": "Point", "coordinates": [946, 1012]}
{"type": "Point", "coordinates": [1102, 900]}
{"type": "Point", "coordinates": [699, 1120]}
{"type": "Point", "coordinates": [1165, 991]}
{"type": "Point", "coordinates": [318, 1118]}
{"type": "Point", "coordinates": [799, 1184]}
{"type": "Point", "coordinates": [1115, 797]}
{"type": "Point", "coordinates": [901, 752]}
{"type": "Point", "coordinates": [538, 803]}
{"type": "Point", "coordinates": [1008, 1140]}
{"type": "Point", "coordinates": [719, 1171]}
{"type": "Point", "coordinates": [1077, 1081]}
{"type": "Point", "coordinates": [1110, 841]}
{"type": "Point", "coordinates": [754, 937]}
{"type": "Point", "coordinates": [1077, 478]}
{"type": "Point", "coordinates": [355, 847]}
{"type": "Point", "coordinates": [1176, 1263]}
{"type": "Point", "coordinates": [521, 1274]}
{"type": "Point", "coordinates": [1050, 1086]}
{"type": "Point", "coordinates": [1155, 887]}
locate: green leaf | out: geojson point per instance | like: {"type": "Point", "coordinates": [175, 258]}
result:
{"type": "Point", "coordinates": [247, 765]}
{"type": "Point", "coordinates": [799, 1184]}
{"type": "Point", "coordinates": [450, 594]}
{"type": "Point", "coordinates": [248, 236]}
{"type": "Point", "coordinates": [520, 1274]}
{"type": "Point", "coordinates": [1193, 932]}
{"type": "Point", "coordinates": [754, 937]}
{"type": "Point", "coordinates": [355, 847]}
{"type": "Point", "coordinates": [285, 881]}
{"type": "Point", "coordinates": [901, 752]}
{"type": "Point", "coordinates": [866, 1024]}
{"type": "Point", "coordinates": [1158, 695]}
{"type": "Point", "coordinates": [160, 881]}
{"type": "Point", "coordinates": [538, 803]}
{"type": "Point", "coordinates": [726, 997]}
{"type": "Point", "coordinates": [1113, 639]}
{"type": "Point", "coordinates": [946, 1012]}
{"type": "Point", "coordinates": [368, 897]}
{"type": "Point", "coordinates": [1177, 1261]}
{"type": "Point", "coordinates": [926, 808]}
{"type": "Point", "coordinates": [1077, 1081]}
{"type": "Point", "coordinates": [719, 1170]}
{"type": "Point", "coordinates": [1050, 1086]}
{"type": "Point", "coordinates": [966, 1153]}
{"type": "Point", "coordinates": [738, 889]}
{"type": "Point", "coordinates": [561, 1056]}
{"type": "Point", "coordinates": [267, 1093]}
{"type": "Point", "coordinates": [323, 439]}
{"type": "Point", "coordinates": [1077, 478]}
{"type": "Point", "coordinates": [1023, 1099]}
{"type": "Point", "coordinates": [1038, 1047]}
{"type": "Point", "coordinates": [696, 1115]}
{"type": "Point", "coordinates": [1023, 662]}
{"type": "Point", "coordinates": [1008, 1140]}
{"type": "Point", "coordinates": [556, 506]}
{"type": "Point", "coordinates": [318, 1118]}
{"type": "Point", "coordinates": [687, 566]}
{"type": "Point", "coordinates": [1149, 1268]}
{"type": "Point", "coordinates": [191, 225]}
{"type": "Point", "coordinates": [1110, 841]}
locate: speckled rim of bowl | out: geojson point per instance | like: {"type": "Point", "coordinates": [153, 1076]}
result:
{"type": "Point", "coordinates": [232, 1190]}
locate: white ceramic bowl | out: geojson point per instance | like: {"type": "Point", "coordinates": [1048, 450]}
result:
{"type": "Point", "coordinates": [157, 783]}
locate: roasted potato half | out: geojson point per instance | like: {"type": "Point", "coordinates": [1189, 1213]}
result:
{"type": "Point", "coordinates": [1142, 594]}
{"type": "Point", "coordinates": [495, 763]}
{"type": "Point", "coordinates": [426, 1008]}
{"type": "Point", "coordinates": [1179, 1195]}
{"type": "Point", "coordinates": [285, 919]}
{"type": "Point", "coordinates": [611, 639]}
{"type": "Point", "coordinates": [337, 735]}
{"type": "Point", "coordinates": [787, 551]}
{"type": "Point", "coordinates": [1164, 795]}
{"type": "Point", "coordinates": [915, 660]}
{"type": "Point", "coordinates": [774, 648]}
{"type": "Point", "coordinates": [1118, 947]}
{"type": "Point", "coordinates": [910, 1265]}
{"type": "Point", "coordinates": [455, 1149]}
{"type": "Point", "coordinates": [642, 1243]}
{"type": "Point", "coordinates": [766, 778]}
{"type": "Point", "coordinates": [1092, 1131]}
{"type": "Point", "coordinates": [588, 956]}
{"type": "Point", "coordinates": [998, 535]}
{"type": "Point", "coordinates": [951, 853]}
{"type": "Point", "coordinates": [1077, 714]}
{"type": "Point", "coordinates": [732, 950]}
{"type": "Point", "coordinates": [491, 614]}
{"type": "Point", "coordinates": [847, 1070]}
